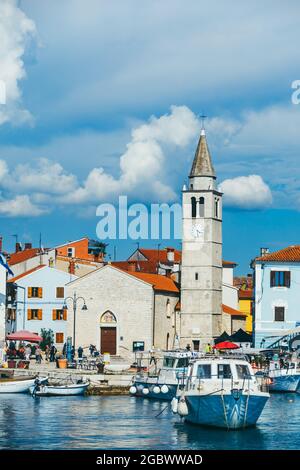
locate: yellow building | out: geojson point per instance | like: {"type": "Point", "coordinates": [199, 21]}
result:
{"type": "Point", "coordinates": [245, 306]}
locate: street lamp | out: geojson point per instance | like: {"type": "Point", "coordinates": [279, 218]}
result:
{"type": "Point", "coordinates": [74, 300]}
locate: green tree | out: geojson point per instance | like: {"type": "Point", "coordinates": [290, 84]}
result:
{"type": "Point", "coordinates": [48, 338]}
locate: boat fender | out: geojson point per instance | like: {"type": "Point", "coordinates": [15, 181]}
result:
{"type": "Point", "coordinates": [165, 389]}
{"type": "Point", "coordinates": [174, 405]}
{"type": "Point", "coordinates": [132, 390]}
{"type": "Point", "coordinates": [182, 409]}
{"type": "Point", "coordinates": [145, 391]}
{"type": "Point", "coordinates": [156, 389]}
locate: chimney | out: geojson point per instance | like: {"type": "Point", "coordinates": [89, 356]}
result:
{"type": "Point", "coordinates": [131, 266]}
{"type": "Point", "coordinates": [170, 255]}
{"type": "Point", "coordinates": [28, 246]}
{"type": "Point", "coordinates": [1, 244]}
{"type": "Point", "coordinates": [264, 251]}
{"type": "Point", "coordinates": [72, 267]}
{"type": "Point", "coordinates": [18, 247]}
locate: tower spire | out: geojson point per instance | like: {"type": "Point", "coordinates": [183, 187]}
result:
{"type": "Point", "coordinates": [202, 164]}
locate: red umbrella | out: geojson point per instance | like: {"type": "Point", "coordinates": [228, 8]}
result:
{"type": "Point", "coordinates": [25, 336]}
{"type": "Point", "coordinates": [226, 345]}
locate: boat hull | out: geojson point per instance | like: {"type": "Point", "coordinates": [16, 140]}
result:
{"type": "Point", "coordinates": [285, 383]}
{"type": "Point", "coordinates": [140, 386]}
{"type": "Point", "coordinates": [50, 390]}
{"type": "Point", "coordinates": [17, 386]}
{"type": "Point", "coordinates": [227, 412]}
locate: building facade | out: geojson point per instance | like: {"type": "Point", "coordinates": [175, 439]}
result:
{"type": "Point", "coordinates": [124, 309]}
{"type": "Point", "coordinates": [2, 304]}
{"type": "Point", "coordinates": [276, 295]}
{"type": "Point", "coordinates": [36, 300]}
{"type": "Point", "coordinates": [201, 271]}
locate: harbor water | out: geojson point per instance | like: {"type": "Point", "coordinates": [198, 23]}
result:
{"type": "Point", "coordinates": [122, 422]}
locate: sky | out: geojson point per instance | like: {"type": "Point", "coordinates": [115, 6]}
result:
{"type": "Point", "coordinates": [104, 99]}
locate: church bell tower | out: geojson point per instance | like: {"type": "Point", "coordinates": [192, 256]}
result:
{"type": "Point", "coordinates": [201, 271]}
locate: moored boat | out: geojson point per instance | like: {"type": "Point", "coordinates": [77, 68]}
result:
{"type": "Point", "coordinates": [18, 385]}
{"type": "Point", "coordinates": [46, 390]}
{"type": "Point", "coordinates": [284, 379]}
{"type": "Point", "coordinates": [162, 385]}
{"type": "Point", "coordinates": [222, 391]}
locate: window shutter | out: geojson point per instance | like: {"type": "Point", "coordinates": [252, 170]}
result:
{"type": "Point", "coordinates": [287, 280]}
{"type": "Point", "coordinates": [53, 314]}
{"type": "Point", "coordinates": [40, 314]}
{"type": "Point", "coordinates": [29, 292]}
{"type": "Point", "coordinates": [28, 314]}
{"type": "Point", "coordinates": [40, 292]}
{"type": "Point", "coordinates": [272, 279]}
{"type": "Point", "coordinates": [65, 314]}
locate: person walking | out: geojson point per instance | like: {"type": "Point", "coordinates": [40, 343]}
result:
{"type": "Point", "coordinates": [80, 352]}
{"type": "Point", "coordinates": [47, 352]}
{"type": "Point", "coordinates": [28, 352]}
{"type": "Point", "coordinates": [53, 351]}
{"type": "Point", "coordinates": [38, 355]}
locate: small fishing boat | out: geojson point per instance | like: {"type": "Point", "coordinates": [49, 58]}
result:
{"type": "Point", "coordinates": [222, 391]}
{"type": "Point", "coordinates": [284, 379]}
{"type": "Point", "coordinates": [46, 390]}
{"type": "Point", "coordinates": [18, 385]}
{"type": "Point", "coordinates": [162, 385]}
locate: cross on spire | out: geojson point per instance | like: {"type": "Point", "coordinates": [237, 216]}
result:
{"type": "Point", "coordinates": [202, 117]}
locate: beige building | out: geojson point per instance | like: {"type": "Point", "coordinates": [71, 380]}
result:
{"type": "Point", "coordinates": [124, 310]}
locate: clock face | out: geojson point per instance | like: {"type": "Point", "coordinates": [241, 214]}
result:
{"type": "Point", "coordinates": [198, 231]}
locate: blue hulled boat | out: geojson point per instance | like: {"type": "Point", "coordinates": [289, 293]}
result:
{"type": "Point", "coordinates": [222, 391]}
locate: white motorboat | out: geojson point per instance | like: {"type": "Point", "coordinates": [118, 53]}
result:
{"type": "Point", "coordinates": [18, 385]}
{"type": "Point", "coordinates": [222, 391]}
{"type": "Point", "coordinates": [162, 385]}
{"type": "Point", "coordinates": [46, 390]}
{"type": "Point", "coordinates": [284, 379]}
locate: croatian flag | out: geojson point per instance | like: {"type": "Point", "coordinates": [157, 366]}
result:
{"type": "Point", "coordinates": [5, 265]}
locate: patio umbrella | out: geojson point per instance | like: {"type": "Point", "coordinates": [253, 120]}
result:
{"type": "Point", "coordinates": [24, 335]}
{"type": "Point", "coordinates": [226, 345]}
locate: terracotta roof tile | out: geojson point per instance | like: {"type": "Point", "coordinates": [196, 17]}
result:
{"type": "Point", "coordinates": [159, 282]}
{"type": "Point", "coordinates": [232, 311]}
{"type": "Point", "coordinates": [289, 254]}
{"type": "Point", "coordinates": [20, 256]}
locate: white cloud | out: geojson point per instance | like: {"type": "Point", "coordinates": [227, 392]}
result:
{"type": "Point", "coordinates": [143, 167]}
{"type": "Point", "coordinates": [20, 206]}
{"type": "Point", "coordinates": [246, 192]}
{"type": "Point", "coordinates": [41, 175]}
{"type": "Point", "coordinates": [15, 31]}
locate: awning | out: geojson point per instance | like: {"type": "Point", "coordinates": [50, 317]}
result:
{"type": "Point", "coordinates": [226, 345]}
{"type": "Point", "coordinates": [24, 335]}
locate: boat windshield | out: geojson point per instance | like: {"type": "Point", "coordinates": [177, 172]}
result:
{"type": "Point", "coordinates": [224, 371]}
{"type": "Point", "coordinates": [183, 362]}
{"type": "Point", "coordinates": [204, 371]}
{"type": "Point", "coordinates": [169, 362]}
{"type": "Point", "coordinates": [243, 371]}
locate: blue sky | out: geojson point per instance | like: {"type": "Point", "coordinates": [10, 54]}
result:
{"type": "Point", "coordinates": [103, 98]}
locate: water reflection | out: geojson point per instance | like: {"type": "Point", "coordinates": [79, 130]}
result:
{"type": "Point", "coordinates": [132, 423]}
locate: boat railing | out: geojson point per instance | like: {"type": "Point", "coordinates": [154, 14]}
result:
{"type": "Point", "coordinates": [244, 383]}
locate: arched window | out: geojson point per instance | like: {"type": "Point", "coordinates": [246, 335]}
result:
{"type": "Point", "coordinates": [167, 342]}
{"type": "Point", "coordinates": [194, 207]}
{"type": "Point", "coordinates": [216, 208]}
{"type": "Point", "coordinates": [201, 204]}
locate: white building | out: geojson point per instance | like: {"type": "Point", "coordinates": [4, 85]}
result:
{"type": "Point", "coordinates": [36, 300]}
